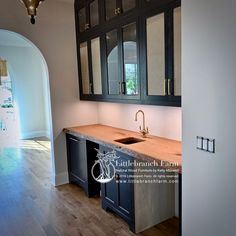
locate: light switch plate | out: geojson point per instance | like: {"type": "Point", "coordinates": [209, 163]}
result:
{"type": "Point", "coordinates": [206, 144]}
{"type": "Point", "coordinates": [211, 145]}
{"type": "Point", "coordinates": [199, 142]}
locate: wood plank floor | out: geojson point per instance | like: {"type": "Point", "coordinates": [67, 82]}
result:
{"type": "Point", "coordinates": [30, 205]}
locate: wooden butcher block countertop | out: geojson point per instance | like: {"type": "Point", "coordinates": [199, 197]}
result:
{"type": "Point", "coordinates": [165, 151]}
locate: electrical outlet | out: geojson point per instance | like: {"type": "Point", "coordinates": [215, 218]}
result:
{"type": "Point", "coordinates": [206, 144]}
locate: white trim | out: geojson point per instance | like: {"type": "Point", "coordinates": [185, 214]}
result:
{"type": "Point", "coordinates": [48, 97]}
{"type": "Point", "coordinates": [35, 134]}
{"type": "Point", "coordinates": [47, 134]}
{"type": "Point", "coordinates": [60, 179]}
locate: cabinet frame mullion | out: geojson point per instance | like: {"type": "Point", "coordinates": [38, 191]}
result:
{"type": "Point", "coordinates": [87, 10]}
{"type": "Point", "coordinates": [121, 57]}
{"type": "Point", "coordinates": [169, 51]}
{"type": "Point", "coordinates": [90, 66]}
{"type": "Point", "coordinates": [119, 5]}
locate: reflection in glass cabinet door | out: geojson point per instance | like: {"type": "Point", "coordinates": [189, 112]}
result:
{"type": "Point", "coordinates": [82, 19]}
{"type": "Point", "coordinates": [156, 55]}
{"type": "Point", "coordinates": [94, 15]}
{"type": "Point", "coordinates": [130, 59]}
{"type": "Point", "coordinates": [128, 5]}
{"type": "Point", "coordinates": [96, 66]}
{"type": "Point", "coordinates": [110, 9]}
{"type": "Point", "coordinates": [84, 68]}
{"type": "Point", "coordinates": [113, 72]}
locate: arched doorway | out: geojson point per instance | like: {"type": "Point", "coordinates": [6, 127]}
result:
{"type": "Point", "coordinates": [25, 107]}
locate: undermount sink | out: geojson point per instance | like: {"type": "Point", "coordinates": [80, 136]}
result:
{"type": "Point", "coordinates": [129, 140]}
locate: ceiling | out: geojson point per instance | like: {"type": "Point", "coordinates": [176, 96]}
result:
{"type": "Point", "coordinates": [68, 1]}
{"type": "Point", "coordinates": [14, 40]}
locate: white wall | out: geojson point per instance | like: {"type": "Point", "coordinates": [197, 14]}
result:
{"type": "Point", "coordinates": [209, 83]}
{"type": "Point", "coordinates": [28, 89]}
{"type": "Point", "coordinates": [54, 35]}
{"type": "Point", "coordinates": [161, 121]}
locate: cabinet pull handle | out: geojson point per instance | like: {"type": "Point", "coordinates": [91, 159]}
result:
{"type": "Point", "coordinates": [120, 89]}
{"type": "Point", "coordinates": [164, 86]}
{"type": "Point", "coordinates": [117, 11]}
{"type": "Point", "coordinates": [169, 86]}
{"type": "Point", "coordinates": [123, 85]}
{"type": "Point", "coordinates": [73, 139]}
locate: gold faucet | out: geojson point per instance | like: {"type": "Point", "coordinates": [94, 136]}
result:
{"type": "Point", "coordinates": [144, 131]}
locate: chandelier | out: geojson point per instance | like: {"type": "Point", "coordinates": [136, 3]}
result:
{"type": "Point", "coordinates": [31, 6]}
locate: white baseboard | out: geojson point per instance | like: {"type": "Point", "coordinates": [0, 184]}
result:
{"type": "Point", "coordinates": [60, 179]}
{"type": "Point", "coordinates": [35, 134]}
{"type": "Point", "coordinates": [47, 134]}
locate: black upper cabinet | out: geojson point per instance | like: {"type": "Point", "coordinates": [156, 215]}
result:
{"type": "Point", "coordinates": [162, 57]}
{"type": "Point", "coordinates": [115, 8]}
{"type": "Point", "coordinates": [87, 14]}
{"type": "Point", "coordinates": [121, 62]}
{"type": "Point", "coordinates": [154, 4]}
{"type": "Point", "coordinates": [129, 51]}
{"type": "Point", "coordinates": [90, 68]}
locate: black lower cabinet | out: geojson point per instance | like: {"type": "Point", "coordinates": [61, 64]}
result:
{"type": "Point", "coordinates": [118, 194]}
{"type": "Point", "coordinates": [81, 156]}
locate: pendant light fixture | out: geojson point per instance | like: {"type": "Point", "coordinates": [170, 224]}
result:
{"type": "Point", "coordinates": [31, 6]}
{"type": "Point", "coordinates": [3, 69]}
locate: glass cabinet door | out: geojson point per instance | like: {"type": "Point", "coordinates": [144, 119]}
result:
{"type": "Point", "coordinates": [96, 66]}
{"type": "Point", "coordinates": [128, 5]}
{"type": "Point", "coordinates": [117, 7]}
{"type": "Point", "coordinates": [177, 51]}
{"type": "Point", "coordinates": [84, 67]}
{"type": "Point", "coordinates": [156, 55]}
{"type": "Point", "coordinates": [111, 9]}
{"type": "Point", "coordinates": [88, 15]}
{"type": "Point", "coordinates": [82, 19]}
{"type": "Point", "coordinates": [94, 13]}
{"type": "Point", "coordinates": [113, 72]}
{"type": "Point", "coordinates": [130, 61]}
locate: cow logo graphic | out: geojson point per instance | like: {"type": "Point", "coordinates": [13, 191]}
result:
{"type": "Point", "coordinates": [103, 169]}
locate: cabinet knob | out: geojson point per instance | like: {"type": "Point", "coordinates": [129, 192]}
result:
{"type": "Point", "coordinates": [86, 26]}
{"type": "Point", "coordinates": [118, 10]}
